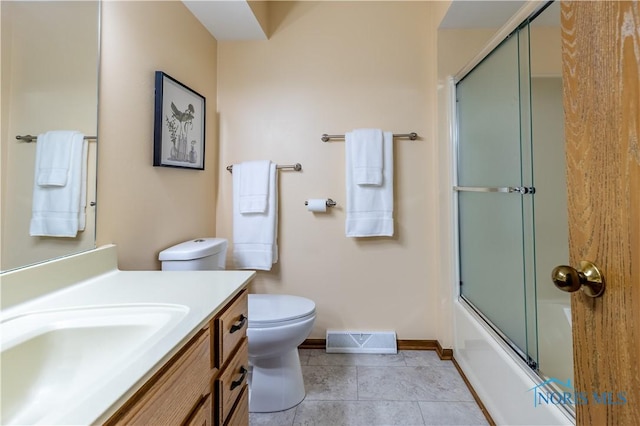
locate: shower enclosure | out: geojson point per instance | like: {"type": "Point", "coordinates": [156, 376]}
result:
{"type": "Point", "coordinates": [511, 194]}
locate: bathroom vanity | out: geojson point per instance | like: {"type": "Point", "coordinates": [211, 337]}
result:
{"type": "Point", "coordinates": [129, 347]}
{"type": "Point", "coordinates": [204, 383]}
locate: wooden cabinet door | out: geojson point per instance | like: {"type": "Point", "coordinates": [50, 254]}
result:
{"type": "Point", "coordinates": [231, 328]}
{"type": "Point", "coordinates": [232, 381]}
{"type": "Point", "coordinates": [171, 395]}
{"type": "Point", "coordinates": [240, 414]}
{"type": "Point", "coordinates": [203, 416]}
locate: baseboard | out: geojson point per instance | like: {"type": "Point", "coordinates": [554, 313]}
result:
{"type": "Point", "coordinates": [405, 345]}
{"type": "Point", "coordinates": [314, 344]}
{"type": "Point", "coordinates": [418, 345]}
{"type": "Point", "coordinates": [444, 353]}
{"type": "Point", "coordinates": [473, 393]}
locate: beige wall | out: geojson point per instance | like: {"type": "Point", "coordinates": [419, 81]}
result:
{"type": "Point", "coordinates": [330, 67]}
{"type": "Point", "coordinates": [141, 208]}
{"type": "Point", "coordinates": [546, 51]}
{"type": "Point", "coordinates": [49, 82]}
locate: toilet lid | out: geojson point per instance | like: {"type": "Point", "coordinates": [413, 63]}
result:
{"type": "Point", "coordinates": [274, 308]}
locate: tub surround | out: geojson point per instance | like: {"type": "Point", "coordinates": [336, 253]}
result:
{"type": "Point", "coordinates": [92, 279]}
{"type": "Point", "coordinates": [497, 376]}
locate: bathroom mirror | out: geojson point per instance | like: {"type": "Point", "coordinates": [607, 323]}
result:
{"type": "Point", "coordinates": [49, 72]}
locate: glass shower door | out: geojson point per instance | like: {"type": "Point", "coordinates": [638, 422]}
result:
{"type": "Point", "coordinates": [494, 205]}
{"type": "Point", "coordinates": [555, 350]}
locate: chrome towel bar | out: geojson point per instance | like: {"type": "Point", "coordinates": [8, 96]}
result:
{"type": "Point", "coordinates": [413, 136]}
{"type": "Point", "coordinates": [30, 138]}
{"type": "Point", "coordinates": [296, 167]}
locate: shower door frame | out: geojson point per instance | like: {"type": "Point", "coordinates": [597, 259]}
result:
{"type": "Point", "coordinates": [528, 354]}
{"type": "Point", "coordinates": [601, 326]}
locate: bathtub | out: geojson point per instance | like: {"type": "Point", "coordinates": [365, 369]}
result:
{"type": "Point", "coordinates": [503, 381]}
{"type": "Point", "coordinates": [555, 354]}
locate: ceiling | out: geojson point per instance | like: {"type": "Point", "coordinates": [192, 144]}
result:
{"type": "Point", "coordinates": [493, 14]}
{"type": "Point", "coordinates": [479, 13]}
{"type": "Point", "coordinates": [227, 20]}
{"type": "Point", "coordinates": [235, 20]}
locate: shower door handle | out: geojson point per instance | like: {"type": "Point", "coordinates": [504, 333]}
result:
{"type": "Point", "coordinates": [586, 277]}
{"type": "Point", "coordinates": [506, 189]}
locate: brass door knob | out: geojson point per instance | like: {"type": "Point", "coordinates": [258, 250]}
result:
{"type": "Point", "coordinates": [586, 277]}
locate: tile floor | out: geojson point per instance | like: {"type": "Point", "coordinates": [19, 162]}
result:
{"type": "Point", "coordinates": [410, 388]}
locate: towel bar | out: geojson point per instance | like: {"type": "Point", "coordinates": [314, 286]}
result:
{"type": "Point", "coordinates": [413, 136]}
{"type": "Point", "coordinates": [29, 138]}
{"type": "Point", "coordinates": [296, 167]}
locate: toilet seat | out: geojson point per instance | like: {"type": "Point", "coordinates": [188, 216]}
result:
{"type": "Point", "coordinates": [275, 310]}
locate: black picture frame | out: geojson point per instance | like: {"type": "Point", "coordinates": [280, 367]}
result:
{"type": "Point", "coordinates": [179, 124]}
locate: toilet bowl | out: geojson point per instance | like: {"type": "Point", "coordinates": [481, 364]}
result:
{"type": "Point", "coordinates": [278, 324]}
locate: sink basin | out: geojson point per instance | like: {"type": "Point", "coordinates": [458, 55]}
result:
{"type": "Point", "coordinates": [51, 360]}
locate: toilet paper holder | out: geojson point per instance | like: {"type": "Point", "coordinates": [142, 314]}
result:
{"type": "Point", "coordinates": [330, 203]}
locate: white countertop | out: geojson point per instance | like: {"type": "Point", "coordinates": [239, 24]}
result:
{"type": "Point", "coordinates": [204, 293]}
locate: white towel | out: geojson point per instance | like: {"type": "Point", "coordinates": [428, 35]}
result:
{"type": "Point", "coordinates": [57, 210]}
{"type": "Point", "coordinates": [82, 214]}
{"type": "Point", "coordinates": [53, 154]}
{"type": "Point", "coordinates": [254, 186]}
{"type": "Point", "coordinates": [255, 243]}
{"type": "Point", "coordinates": [366, 155]}
{"type": "Point", "coordinates": [369, 207]}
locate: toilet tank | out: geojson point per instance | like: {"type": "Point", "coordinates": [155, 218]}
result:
{"type": "Point", "coordinates": [202, 254]}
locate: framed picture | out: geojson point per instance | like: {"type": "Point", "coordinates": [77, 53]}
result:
{"type": "Point", "coordinates": [179, 123]}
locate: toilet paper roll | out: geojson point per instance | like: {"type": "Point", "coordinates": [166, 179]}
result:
{"type": "Point", "coordinates": [317, 205]}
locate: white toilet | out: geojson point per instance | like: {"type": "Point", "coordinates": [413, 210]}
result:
{"type": "Point", "coordinates": [278, 323]}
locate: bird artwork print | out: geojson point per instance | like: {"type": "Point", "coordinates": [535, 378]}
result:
{"type": "Point", "coordinates": [179, 125]}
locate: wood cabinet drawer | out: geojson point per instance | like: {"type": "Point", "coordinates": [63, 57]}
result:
{"type": "Point", "coordinates": [203, 415]}
{"type": "Point", "coordinates": [240, 414]}
{"type": "Point", "coordinates": [231, 327]}
{"type": "Point", "coordinates": [232, 381]}
{"type": "Point", "coordinates": [171, 394]}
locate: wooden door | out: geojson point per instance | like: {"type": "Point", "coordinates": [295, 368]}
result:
{"type": "Point", "coordinates": [601, 61]}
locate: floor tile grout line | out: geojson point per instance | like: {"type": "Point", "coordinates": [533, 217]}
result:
{"type": "Point", "coordinates": [402, 362]}
{"type": "Point", "coordinates": [424, 421]}
{"type": "Point", "coordinates": [357, 385]}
